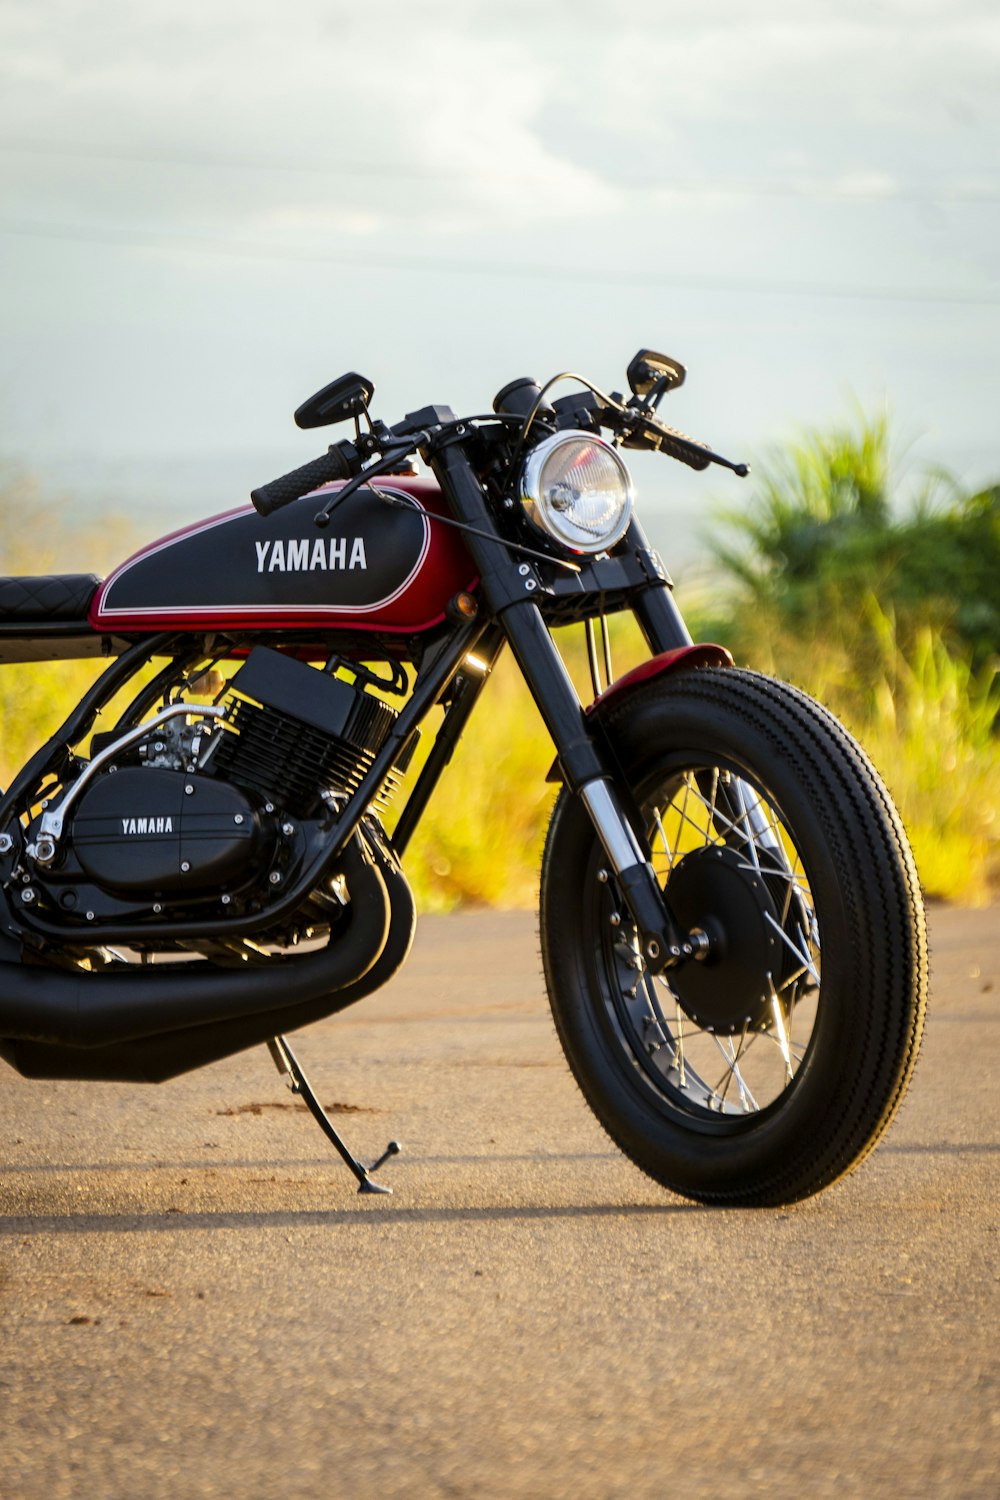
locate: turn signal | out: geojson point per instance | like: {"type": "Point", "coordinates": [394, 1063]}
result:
{"type": "Point", "coordinates": [462, 607]}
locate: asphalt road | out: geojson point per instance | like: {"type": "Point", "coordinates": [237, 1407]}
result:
{"type": "Point", "coordinates": [195, 1303]}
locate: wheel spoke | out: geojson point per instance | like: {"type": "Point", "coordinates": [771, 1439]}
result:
{"type": "Point", "coordinates": [663, 837]}
{"type": "Point", "coordinates": [716, 815]}
{"type": "Point", "coordinates": [722, 1087]}
{"type": "Point", "coordinates": [731, 1059]}
{"type": "Point", "coordinates": [738, 789]}
{"type": "Point", "coordinates": [684, 818]}
{"type": "Point", "coordinates": [802, 957]}
{"type": "Point", "coordinates": [739, 831]}
{"type": "Point", "coordinates": [786, 983]}
{"type": "Point", "coordinates": [715, 797]}
{"type": "Point", "coordinates": [806, 941]}
{"type": "Point", "coordinates": [681, 820]}
{"type": "Point", "coordinates": [796, 1053]}
{"type": "Point", "coordinates": [767, 835]}
{"type": "Point", "coordinates": [779, 1027]}
{"type": "Point", "coordinates": [679, 1049]}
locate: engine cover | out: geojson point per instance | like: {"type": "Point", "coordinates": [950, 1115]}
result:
{"type": "Point", "coordinates": [155, 832]}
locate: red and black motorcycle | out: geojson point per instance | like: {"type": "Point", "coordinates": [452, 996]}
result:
{"type": "Point", "coordinates": [731, 924]}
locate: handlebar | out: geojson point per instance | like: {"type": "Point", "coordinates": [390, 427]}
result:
{"type": "Point", "coordinates": [339, 462]}
{"type": "Point", "coordinates": [636, 428]}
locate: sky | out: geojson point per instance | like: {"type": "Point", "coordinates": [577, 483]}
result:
{"type": "Point", "coordinates": [210, 210]}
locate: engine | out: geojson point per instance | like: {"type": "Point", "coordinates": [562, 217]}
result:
{"type": "Point", "coordinates": [208, 808]}
{"type": "Point", "coordinates": [298, 732]}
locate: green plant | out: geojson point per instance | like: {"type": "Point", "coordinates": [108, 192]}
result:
{"type": "Point", "coordinates": [825, 524]}
{"type": "Point", "coordinates": [930, 725]}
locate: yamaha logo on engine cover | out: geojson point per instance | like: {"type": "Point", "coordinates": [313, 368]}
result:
{"type": "Point", "coordinates": [141, 832]}
{"type": "Point", "coordinates": [147, 825]}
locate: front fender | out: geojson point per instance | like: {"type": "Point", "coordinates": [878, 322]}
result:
{"type": "Point", "coordinates": [682, 658]}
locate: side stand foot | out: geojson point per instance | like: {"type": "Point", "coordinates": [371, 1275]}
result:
{"type": "Point", "coordinates": [289, 1067]}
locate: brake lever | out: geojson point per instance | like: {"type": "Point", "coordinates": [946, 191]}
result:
{"type": "Point", "coordinates": [686, 450]}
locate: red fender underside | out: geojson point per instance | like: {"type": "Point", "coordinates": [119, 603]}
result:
{"type": "Point", "coordinates": [682, 658]}
{"type": "Point", "coordinates": [701, 654]}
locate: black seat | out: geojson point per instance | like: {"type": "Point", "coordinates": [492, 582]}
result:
{"type": "Point", "coordinates": [57, 596]}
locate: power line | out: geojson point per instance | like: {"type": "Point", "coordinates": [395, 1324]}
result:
{"type": "Point", "coordinates": [383, 261]}
{"type": "Point", "coordinates": [690, 186]}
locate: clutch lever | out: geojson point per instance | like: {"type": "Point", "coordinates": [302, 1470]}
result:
{"type": "Point", "coordinates": [392, 456]}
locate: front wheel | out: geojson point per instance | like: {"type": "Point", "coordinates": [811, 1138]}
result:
{"type": "Point", "coordinates": [770, 1061]}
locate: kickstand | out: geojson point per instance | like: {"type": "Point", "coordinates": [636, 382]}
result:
{"type": "Point", "coordinates": [290, 1068]}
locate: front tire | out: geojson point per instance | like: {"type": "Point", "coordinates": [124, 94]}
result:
{"type": "Point", "coordinates": [769, 1064]}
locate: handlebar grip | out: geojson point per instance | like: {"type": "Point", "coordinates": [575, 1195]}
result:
{"type": "Point", "coordinates": [334, 464]}
{"type": "Point", "coordinates": [676, 444]}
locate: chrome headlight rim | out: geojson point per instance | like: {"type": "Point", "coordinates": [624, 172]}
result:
{"type": "Point", "coordinates": [547, 520]}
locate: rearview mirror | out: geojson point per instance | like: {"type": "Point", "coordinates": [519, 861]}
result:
{"type": "Point", "coordinates": [649, 368]}
{"type": "Point", "coordinates": [347, 396]}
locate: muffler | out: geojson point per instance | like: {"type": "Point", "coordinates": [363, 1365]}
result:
{"type": "Point", "coordinates": [54, 1013]}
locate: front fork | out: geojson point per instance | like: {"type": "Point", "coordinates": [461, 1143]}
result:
{"type": "Point", "coordinates": [581, 761]}
{"type": "Point", "coordinates": [585, 773]}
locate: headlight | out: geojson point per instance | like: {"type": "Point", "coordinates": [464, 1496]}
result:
{"type": "Point", "coordinates": [576, 489]}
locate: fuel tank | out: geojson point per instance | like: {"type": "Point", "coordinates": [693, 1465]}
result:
{"type": "Point", "coordinates": [377, 566]}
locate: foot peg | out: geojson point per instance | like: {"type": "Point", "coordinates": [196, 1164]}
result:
{"type": "Point", "coordinates": [289, 1067]}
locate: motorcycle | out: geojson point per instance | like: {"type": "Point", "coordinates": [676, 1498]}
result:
{"type": "Point", "coordinates": [732, 932]}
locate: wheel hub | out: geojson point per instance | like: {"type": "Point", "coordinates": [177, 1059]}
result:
{"type": "Point", "coordinates": [727, 987]}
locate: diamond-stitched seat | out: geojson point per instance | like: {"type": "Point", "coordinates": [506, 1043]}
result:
{"type": "Point", "coordinates": [58, 596]}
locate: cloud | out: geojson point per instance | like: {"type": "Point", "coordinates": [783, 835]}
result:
{"type": "Point", "coordinates": [315, 125]}
{"type": "Point", "coordinates": [235, 115]}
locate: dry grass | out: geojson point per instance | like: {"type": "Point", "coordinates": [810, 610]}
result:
{"type": "Point", "coordinates": [929, 724]}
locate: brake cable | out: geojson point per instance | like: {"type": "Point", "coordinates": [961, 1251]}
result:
{"type": "Point", "coordinates": [487, 536]}
{"type": "Point", "coordinates": [384, 466]}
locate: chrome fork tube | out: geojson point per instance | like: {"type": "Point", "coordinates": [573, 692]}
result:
{"type": "Point", "coordinates": [612, 828]}
{"type": "Point", "coordinates": [584, 770]}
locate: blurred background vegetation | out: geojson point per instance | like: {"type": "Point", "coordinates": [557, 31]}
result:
{"type": "Point", "coordinates": [885, 606]}
{"type": "Point", "coordinates": [888, 610]}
